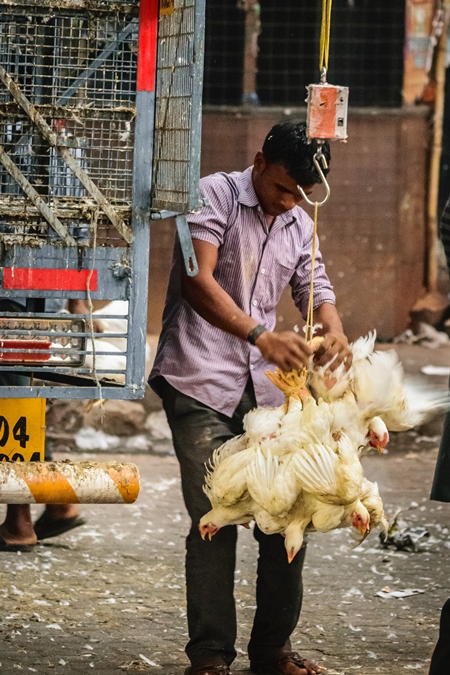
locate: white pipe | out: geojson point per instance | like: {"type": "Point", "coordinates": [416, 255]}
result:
{"type": "Point", "coordinates": [68, 483]}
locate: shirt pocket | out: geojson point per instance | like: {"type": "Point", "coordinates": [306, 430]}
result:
{"type": "Point", "coordinates": [278, 278]}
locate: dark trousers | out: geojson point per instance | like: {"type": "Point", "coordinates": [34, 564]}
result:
{"type": "Point", "coordinates": [197, 431]}
{"type": "Point", "coordinates": [440, 661]}
{"type": "Point", "coordinates": [440, 490]}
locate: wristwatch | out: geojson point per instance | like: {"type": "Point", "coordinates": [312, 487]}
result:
{"type": "Point", "coordinates": [255, 333]}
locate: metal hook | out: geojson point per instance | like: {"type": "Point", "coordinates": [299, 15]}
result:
{"type": "Point", "coordinates": [324, 181]}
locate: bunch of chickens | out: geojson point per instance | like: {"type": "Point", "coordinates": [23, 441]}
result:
{"type": "Point", "coordinates": [297, 468]}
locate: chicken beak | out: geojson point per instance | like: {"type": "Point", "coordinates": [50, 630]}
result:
{"type": "Point", "coordinates": [210, 529]}
{"type": "Point", "coordinates": [246, 525]}
{"type": "Point", "coordinates": [365, 534]}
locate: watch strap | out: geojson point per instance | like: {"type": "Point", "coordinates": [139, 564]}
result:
{"type": "Point", "coordinates": [255, 333]}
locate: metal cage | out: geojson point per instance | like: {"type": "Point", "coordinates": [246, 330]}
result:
{"type": "Point", "coordinates": [77, 141]}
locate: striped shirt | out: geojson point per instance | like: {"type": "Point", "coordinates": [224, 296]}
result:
{"type": "Point", "coordinates": [254, 266]}
{"type": "Point", "coordinates": [444, 231]}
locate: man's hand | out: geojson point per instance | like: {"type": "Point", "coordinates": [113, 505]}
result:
{"type": "Point", "coordinates": [286, 349]}
{"type": "Point", "coordinates": [333, 351]}
{"type": "Point", "coordinates": [82, 307]}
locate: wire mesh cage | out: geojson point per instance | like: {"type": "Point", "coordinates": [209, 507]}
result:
{"type": "Point", "coordinates": [178, 107]}
{"type": "Point", "coordinates": [366, 53]}
{"type": "Point", "coordinates": [78, 70]}
{"type": "Point", "coordinates": [68, 107]}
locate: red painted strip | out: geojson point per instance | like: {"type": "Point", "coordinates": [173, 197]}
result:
{"type": "Point", "coordinates": [24, 356]}
{"type": "Point", "coordinates": [148, 34]}
{"type": "Point", "coordinates": [28, 279]}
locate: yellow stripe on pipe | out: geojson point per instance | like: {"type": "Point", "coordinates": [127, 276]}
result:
{"type": "Point", "coordinates": [127, 482]}
{"type": "Point", "coordinates": [50, 486]}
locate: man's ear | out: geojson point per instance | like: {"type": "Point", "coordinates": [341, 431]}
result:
{"type": "Point", "coordinates": [260, 162]}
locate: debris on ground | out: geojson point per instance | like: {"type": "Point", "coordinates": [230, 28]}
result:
{"type": "Point", "coordinates": [426, 335]}
{"type": "Point", "coordinates": [387, 592]}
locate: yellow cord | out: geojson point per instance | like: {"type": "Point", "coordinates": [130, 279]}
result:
{"type": "Point", "coordinates": [310, 313]}
{"type": "Point", "coordinates": [325, 34]}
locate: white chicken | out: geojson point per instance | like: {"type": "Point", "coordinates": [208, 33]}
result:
{"type": "Point", "coordinates": [226, 481]}
{"type": "Point", "coordinates": [332, 475]}
{"type": "Point", "coordinates": [312, 514]}
{"type": "Point", "coordinates": [272, 482]}
{"type": "Point", "coordinates": [297, 468]}
{"type": "Point", "coordinates": [380, 389]}
{"type": "Point", "coordinates": [330, 386]}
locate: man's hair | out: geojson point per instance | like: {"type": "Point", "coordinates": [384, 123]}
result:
{"type": "Point", "coordinates": [287, 144]}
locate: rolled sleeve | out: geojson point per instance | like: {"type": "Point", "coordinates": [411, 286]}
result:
{"type": "Point", "coordinates": [211, 222]}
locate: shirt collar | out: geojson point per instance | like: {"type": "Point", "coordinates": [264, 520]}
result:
{"type": "Point", "coordinates": [247, 196]}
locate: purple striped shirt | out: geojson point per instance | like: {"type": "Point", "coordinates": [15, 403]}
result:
{"type": "Point", "coordinates": [254, 266]}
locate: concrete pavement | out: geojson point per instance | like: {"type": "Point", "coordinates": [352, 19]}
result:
{"type": "Point", "coordinates": [109, 597]}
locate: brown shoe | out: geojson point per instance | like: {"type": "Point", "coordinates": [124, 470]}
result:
{"type": "Point", "coordinates": [285, 663]}
{"type": "Point", "coordinates": [218, 669]}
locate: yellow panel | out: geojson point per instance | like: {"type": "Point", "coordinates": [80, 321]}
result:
{"type": "Point", "coordinates": [22, 429]}
{"type": "Point", "coordinates": [166, 7]}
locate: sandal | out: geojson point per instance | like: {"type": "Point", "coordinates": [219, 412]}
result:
{"type": "Point", "coordinates": [46, 527]}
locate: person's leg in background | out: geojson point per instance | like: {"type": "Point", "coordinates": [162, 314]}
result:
{"type": "Point", "coordinates": [57, 519]}
{"type": "Point", "coordinates": [17, 530]}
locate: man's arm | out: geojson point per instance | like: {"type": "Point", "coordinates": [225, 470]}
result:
{"type": "Point", "coordinates": [82, 307]}
{"type": "Point", "coordinates": [286, 349]}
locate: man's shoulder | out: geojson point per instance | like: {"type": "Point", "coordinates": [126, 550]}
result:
{"type": "Point", "coordinates": [302, 219]}
{"type": "Point", "coordinates": [222, 181]}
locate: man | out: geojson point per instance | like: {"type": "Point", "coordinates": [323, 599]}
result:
{"type": "Point", "coordinates": [217, 340]}
{"type": "Point", "coordinates": [440, 490]}
{"type": "Point", "coordinates": [17, 532]}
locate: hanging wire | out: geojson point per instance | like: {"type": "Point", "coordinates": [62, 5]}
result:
{"type": "Point", "coordinates": [309, 327]}
{"type": "Point", "coordinates": [318, 159]}
{"type": "Point", "coordinates": [91, 312]}
{"type": "Point", "coordinates": [325, 36]}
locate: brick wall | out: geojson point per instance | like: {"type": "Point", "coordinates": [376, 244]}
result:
{"type": "Point", "coordinates": [371, 230]}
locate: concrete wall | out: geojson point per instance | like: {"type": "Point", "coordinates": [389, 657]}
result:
{"type": "Point", "coordinates": [371, 230]}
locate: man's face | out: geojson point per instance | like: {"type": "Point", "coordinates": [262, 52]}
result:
{"type": "Point", "coordinates": [276, 190]}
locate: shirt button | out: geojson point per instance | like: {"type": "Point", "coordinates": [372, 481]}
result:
{"type": "Point", "coordinates": [263, 271]}
{"type": "Point", "coordinates": [251, 367]}
{"type": "Point", "coordinates": [255, 302]}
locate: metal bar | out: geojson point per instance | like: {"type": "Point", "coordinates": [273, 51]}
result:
{"type": "Point", "coordinates": [142, 183]}
{"type": "Point", "coordinates": [71, 162]}
{"type": "Point", "coordinates": [63, 377]}
{"type": "Point", "coordinates": [37, 200]}
{"type": "Point", "coordinates": [107, 391]}
{"type": "Point", "coordinates": [196, 114]}
{"type": "Point", "coordinates": [68, 482]}
{"type": "Point", "coordinates": [161, 215]}
{"type": "Point", "coordinates": [184, 235]}
{"type": "Point", "coordinates": [92, 67]}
